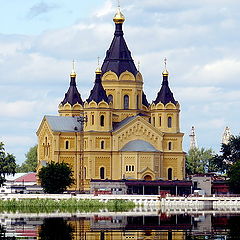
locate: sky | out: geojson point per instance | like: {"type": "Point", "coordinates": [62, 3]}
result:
{"type": "Point", "coordinates": [39, 40]}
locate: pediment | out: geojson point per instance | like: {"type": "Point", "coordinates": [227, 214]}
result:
{"type": "Point", "coordinates": [146, 170]}
{"type": "Point", "coordinates": [138, 129]}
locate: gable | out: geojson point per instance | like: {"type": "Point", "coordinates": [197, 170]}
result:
{"type": "Point", "coordinates": [137, 128]}
{"type": "Point", "coordinates": [44, 130]}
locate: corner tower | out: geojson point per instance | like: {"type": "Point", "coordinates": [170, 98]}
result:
{"type": "Point", "coordinates": [121, 79]}
{"type": "Point", "coordinates": [72, 104]}
{"type": "Point", "coordinates": [97, 107]}
{"type": "Point", "coordinates": [165, 109]}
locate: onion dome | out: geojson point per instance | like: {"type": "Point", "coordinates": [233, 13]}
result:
{"type": "Point", "coordinates": [98, 93]}
{"type": "Point", "coordinates": [118, 57]}
{"type": "Point", "coordinates": [119, 17]}
{"type": "Point", "coordinates": [165, 95]}
{"type": "Point", "coordinates": [72, 96]}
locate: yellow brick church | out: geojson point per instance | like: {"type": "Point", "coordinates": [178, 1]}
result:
{"type": "Point", "coordinates": [123, 136]}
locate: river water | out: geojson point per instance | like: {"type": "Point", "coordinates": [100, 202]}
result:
{"type": "Point", "coordinates": [148, 224]}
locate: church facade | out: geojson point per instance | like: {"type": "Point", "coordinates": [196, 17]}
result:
{"type": "Point", "coordinates": [123, 136]}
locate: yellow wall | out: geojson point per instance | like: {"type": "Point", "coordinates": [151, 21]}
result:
{"type": "Point", "coordinates": [102, 145]}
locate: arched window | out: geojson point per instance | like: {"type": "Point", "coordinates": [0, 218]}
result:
{"type": "Point", "coordinates": [126, 168]}
{"type": "Point", "coordinates": [137, 102]}
{"type": "Point", "coordinates": [170, 146]}
{"type": "Point", "coordinates": [126, 102]}
{"type": "Point", "coordinates": [92, 119]}
{"type": "Point", "coordinates": [110, 98]}
{"type": "Point", "coordinates": [170, 174]}
{"type": "Point", "coordinates": [160, 121]}
{"type": "Point", "coordinates": [129, 168]}
{"type": "Point", "coordinates": [169, 122]}
{"type": "Point", "coordinates": [154, 121]}
{"type": "Point", "coordinates": [132, 167]}
{"type": "Point", "coordinates": [102, 144]}
{"type": "Point", "coordinates": [67, 144]}
{"type": "Point", "coordinates": [102, 120]}
{"type": "Point", "coordinates": [85, 173]}
{"type": "Point", "coordinates": [102, 173]}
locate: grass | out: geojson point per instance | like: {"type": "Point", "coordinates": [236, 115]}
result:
{"type": "Point", "coordinates": [69, 205]}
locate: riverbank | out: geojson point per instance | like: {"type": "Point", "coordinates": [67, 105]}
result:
{"type": "Point", "coordinates": [138, 200]}
{"type": "Point", "coordinates": [63, 205]}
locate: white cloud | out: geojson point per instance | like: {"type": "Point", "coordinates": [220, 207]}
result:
{"type": "Point", "coordinates": [105, 10]}
{"type": "Point", "coordinates": [199, 38]}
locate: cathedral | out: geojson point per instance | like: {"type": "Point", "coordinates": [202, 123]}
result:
{"type": "Point", "coordinates": [115, 133]}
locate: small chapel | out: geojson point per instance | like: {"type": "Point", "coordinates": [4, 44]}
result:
{"type": "Point", "coordinates": [115, 133]}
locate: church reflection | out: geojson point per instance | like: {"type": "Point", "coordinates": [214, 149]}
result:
{"type": "Point", "coordinates": [118, 227]}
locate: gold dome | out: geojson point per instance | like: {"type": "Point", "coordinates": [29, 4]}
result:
{"type": "Point", "coordinates": [98, 70]}
{"type": "Point", "coordinates": [119, 17]}
{"type": "Point", "coordinates": [73, 74]}
{"type": "Point", "coordinates": [165, 72]}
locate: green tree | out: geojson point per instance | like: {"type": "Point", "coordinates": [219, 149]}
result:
{"type": "Point", "coordinates": [56, 177]}
{"type": "Point", "coordinates": [30, 164]}
{"type": "Point", "coordinates": [7, 164]}
{"type": "Point", "coordinates": [229, 162]}
{"type": "Point", "coordinates": [234, 177]}
{"type": "Point", "coordinates": [230, 154]}
{"type": "Point", "coordinates": [198, 160]}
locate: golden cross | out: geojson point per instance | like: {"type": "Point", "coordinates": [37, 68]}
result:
{"type": "Point", "coordinates": [98, 61]}
{"type": "Point", "coordinates": [138, 65]}
{"type": "Point", "coordinates": [119, 3]}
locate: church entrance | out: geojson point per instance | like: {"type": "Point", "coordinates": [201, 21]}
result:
{"type": "Point", "coordinates": [148, 178]}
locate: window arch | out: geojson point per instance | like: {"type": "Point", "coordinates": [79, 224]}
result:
{"type": "Point", "coordinates": [170, 174]}
{"type": "Point", "coordinates": [85, 173]}
{"type": "Point", "coordinates": [110, 98]}
{"type": "Point", "coordinates": [102, 121]}
{"type": "Point", "coordinates": [169, 122]}
{"type": "Point", "coordinates": [102, 144]}
{"type": "Point", "coordinates": [67, 144]}
{"type": "Point", "coordinates": [170, 146]}
{"type": "Point", "coordinates": [92, 119]}
{"type": "Point", "coordinates": [137, 102]}
{"type": "Point", "coordinates": [126, 168]}
{"type": "Point", "coordinates": [126, 101]}
{"type": "Point", "coordinates": [154, 121]}
{"type": "Point", "coordinates": [102, 173]}
{"type": "Point", "coordinates": [160, 121]}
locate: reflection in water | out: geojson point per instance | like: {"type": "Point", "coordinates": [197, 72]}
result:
{"type": "Point", "coordinates": [103, 226]}
{"type": "Point", "coordinates": [3, 234]}
{"type": "Point", "coordinates": [55, 228]}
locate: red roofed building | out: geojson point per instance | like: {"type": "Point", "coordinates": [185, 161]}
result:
{"type": "Point", "coordinates": [21, 183]}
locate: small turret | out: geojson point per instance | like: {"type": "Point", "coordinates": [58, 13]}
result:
{"type": "Point", "coordinates": [193, 139]}
{"type": "Point", "coordinates": [72, 102]}
{"type": "Point", "coordinates": [98, 93]}
{"type": "Point", "coordinates": [165, 95]}
{"type": "Point", "coordinates": [72, 96]}
{"type": "Point", "coordinates": [226, 135]}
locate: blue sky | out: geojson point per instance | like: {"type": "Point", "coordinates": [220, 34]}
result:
{"type": "Point", "coordinates": [39, 39]}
